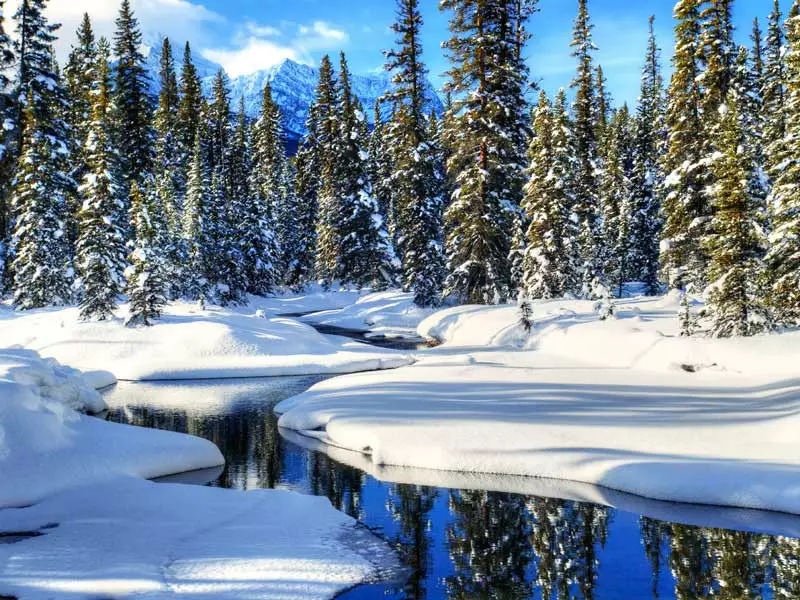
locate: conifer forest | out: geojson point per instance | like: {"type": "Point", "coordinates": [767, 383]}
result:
{"type": "Point", "coordinates": [513, 193]}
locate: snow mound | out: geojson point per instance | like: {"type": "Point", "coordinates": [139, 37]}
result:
{"type": "Point", "coordinates": [193, 343]}
{"type": "Point", "coordinates": [390, 314]}
{"type": "Point", "coordinates": [46, 445]}
{"type": "Point", "coordinates": [665, 436]}
{"type": "Point", "coordinates": [642, 335]}
{"type": "Point", "coordinates": [130, 537]}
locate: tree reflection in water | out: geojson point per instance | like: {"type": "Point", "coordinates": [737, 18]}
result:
{"type": "Point", "coordinates": [467, 544]}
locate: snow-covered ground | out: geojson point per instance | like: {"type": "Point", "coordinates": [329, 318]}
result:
{"type": "Point", "coordinates": [189, 342]}
{"type": "Point", "coordinates": [390, 314]}
{"type": "Point", "coordinates": [602, 402]}
{"type": "Point", "coordinates": [133, 538]}
{"type": "Point", "coordinates": [47, 445]}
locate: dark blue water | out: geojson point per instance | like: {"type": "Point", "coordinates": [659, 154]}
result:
{"type": "Point", "coordinates": [459, 542]}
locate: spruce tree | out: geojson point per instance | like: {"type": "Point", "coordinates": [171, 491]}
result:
{"type": "Point", "coordinates": [132, 103]}
{"type": "Point", "coordinates": [7, 114]}
{"type": "Point", "coordinates": [326, 131]}
{"type": "Point", "coordinates": [649, 145]}
{"type": "Point", "coordinates": [414, 185]}
{"type": "Point", "coordinates": [195, 224]}
{"type": "Point", "coordinates": [685, 207]}
{"type": "Point", "coordinates": [301, 271]}
{"type": "Point", "coordinates": [147, 285]}
{"type": "Point", "coordinates": [189, 111]}
{"type": "Point", "coordinates": [263, 264]}
{"type": "Point", "coordinates": [773, 89]}
{"type": "Point", "coordinates": [733, 304]}
{"type": "Point", "coordinates": [585, 126]}
{"type": "Point", "coordinates": [549, 263]}
{"type": "Point", "coordinates": [783, 259]}
{"type": "Point", "coordinates": [486, 144]}
{"type": "Point", "coordinates": [364, 252]}
{"type": "Point", "coordinates": [380, 169]}
{"type": "Point", "coordinates": [81, 78]}
{"type": "Point", "coordinates": [41, 264]}
{"type": "Point", "coordinates": [101, 246]}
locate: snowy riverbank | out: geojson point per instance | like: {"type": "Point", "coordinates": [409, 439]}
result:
{"type": "Point", "coordinates": [78, 518]}
{"type": "Point", "coordinates": [623, 403]}
{"type": "Point", "coordinates": [189, 342]}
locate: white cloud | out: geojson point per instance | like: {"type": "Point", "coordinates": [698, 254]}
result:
{"type": "Point", "coordinates": [179, 19]}
{"type": "Point", "coordinates": [253, 55]}
{"type": "Point", "coordinates": [255, 47]}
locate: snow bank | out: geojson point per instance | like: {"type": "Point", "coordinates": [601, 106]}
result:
{"type": "Point", "coordinates": [390, 314]}
{"type": "Point", "coordinates": [643, 335]}
{"type": "Point", "coordinates": [676, 436]}
{"type": "Point", "coordinates": [47, 446]}
{"type": "Point", "coordinates": [191, 343]}
{"type": "Point", "coordinates": [132, 537]}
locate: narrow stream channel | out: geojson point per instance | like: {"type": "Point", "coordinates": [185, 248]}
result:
{"type": "Point", "coordinates": [474, 543]}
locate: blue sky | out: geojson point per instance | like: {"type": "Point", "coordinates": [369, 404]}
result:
{"type": "Point", "coordinates": [246, 35]}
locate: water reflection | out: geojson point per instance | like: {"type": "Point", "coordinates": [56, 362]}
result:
{"type": "Point", "coordinates": [527, 541]}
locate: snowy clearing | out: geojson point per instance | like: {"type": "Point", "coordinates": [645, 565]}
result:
{"type": "Point", "coordinates": [601, 402]}
{"type": "Point", "coordinates": [132, 537]}
{"type": "Point", "coordinates": [47, 446]}
{"type": "Point", "coordinates": [193, 343]}
{"type": "Point", "coordinates": [390, 314]}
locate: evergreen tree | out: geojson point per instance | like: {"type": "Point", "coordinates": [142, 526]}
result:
{"type": "Point", "coordinates": [486, 143]}
{"type": "Point", "coordinates": [685, 206]}
{"type": "Point", "coordinates": [41, 263]}
{"type": "Point", "coordinates": [736, 247]}
{"type": "Point", "coordinates": [147, 287]}
{"type": "Point", "coordinates": [263, 253]}
{"type": "Point", "coordinates": [81, 78]}
{"type": "Point", "coordinates": [585, 126]}
{"type": "Point", "coordinates": [649, 145]}
{"type": "Point", "coordinates": [365, 257]}
{"type": "Point", "coordinates": [132, 103]}
{"type": "Point", "coordinates": [773, 92]}
{"type": "Point", "coordinates": [616, 200]}
{"type": "Point", "coordinates": [7, 112]}
{"type": "Point", "coordinates": [301, 269]}
{"type": "Point", "coordinates": [414, 184]}
{"type": "Point", "coordinates": [195, 224]}
{"type": "Point", "coordinates": [380, 169]}
{"type": "Point", "coordinates": [603, 108]}
{"type": "Point", "coordinates": [548, 264]}
{"type": "Point", "coordinates": [41, 255]}
{"type": "Point", "coordinates": [190, 106]}
{"type": "Point", "coordinates": [101, 247]}
{"type": "Point", "coordinates": [324, 132]}
{"type": "Point", "coordinates": [783, 259]}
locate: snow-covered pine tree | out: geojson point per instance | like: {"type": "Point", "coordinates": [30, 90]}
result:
{"type": "Point", "coordinates": [365, 256]}
{"type": "Point", "coordinates": [586, 150]}
{"type": "Point", "coordinates": [196, 240]}
{"type": "Point", "coordinates": [685, 206]}
{"type": "Point", "coordinates": [485, 137]}
{"type": "Point", "coordinates": [289, 229]}
{"type": "Point", "coordinates": [147, 285]}
{"type": "Point", "coordinates": [603, 108]}
{"type": "Point", "coordinates": [41, 256]}
{"type": "Point", "coordinates": [414, 185]}
{"type": "Point", "coordinates": [190, 107]}
{"type": "Point", "coordinates": [615, 200]}
{"type": "Point", "coordinates": [132, 103]}
{"type": "Point", "coordinates": [380, 169]}
{"type": "Point", "coordinates": [80, 79]}
{"type": "Point", "coordinates": [783, 258]}
{"type": "Point", "coordinates": [306, 180]}
{"type": "Point", "coordinates": [168, 175]}
{"type": "Point", "coordinates": [7, 113]}
{"type": "Point", "coordinates": [735, 248]}
{"type": "Point", "coordinates": [41, 264]}
{"type": "Point", "coordinates": [100, 251]}
{"type": "Point", "coordinates": [324, 133]}
{"type": "Point", "coordinates": [264, 264]}
{"type": "Point", "coordinates": [649, 146]}
{"type": "Point", "coordinates": [773, 91]}
{"type": "Point", "coordinates": [549, 269]}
